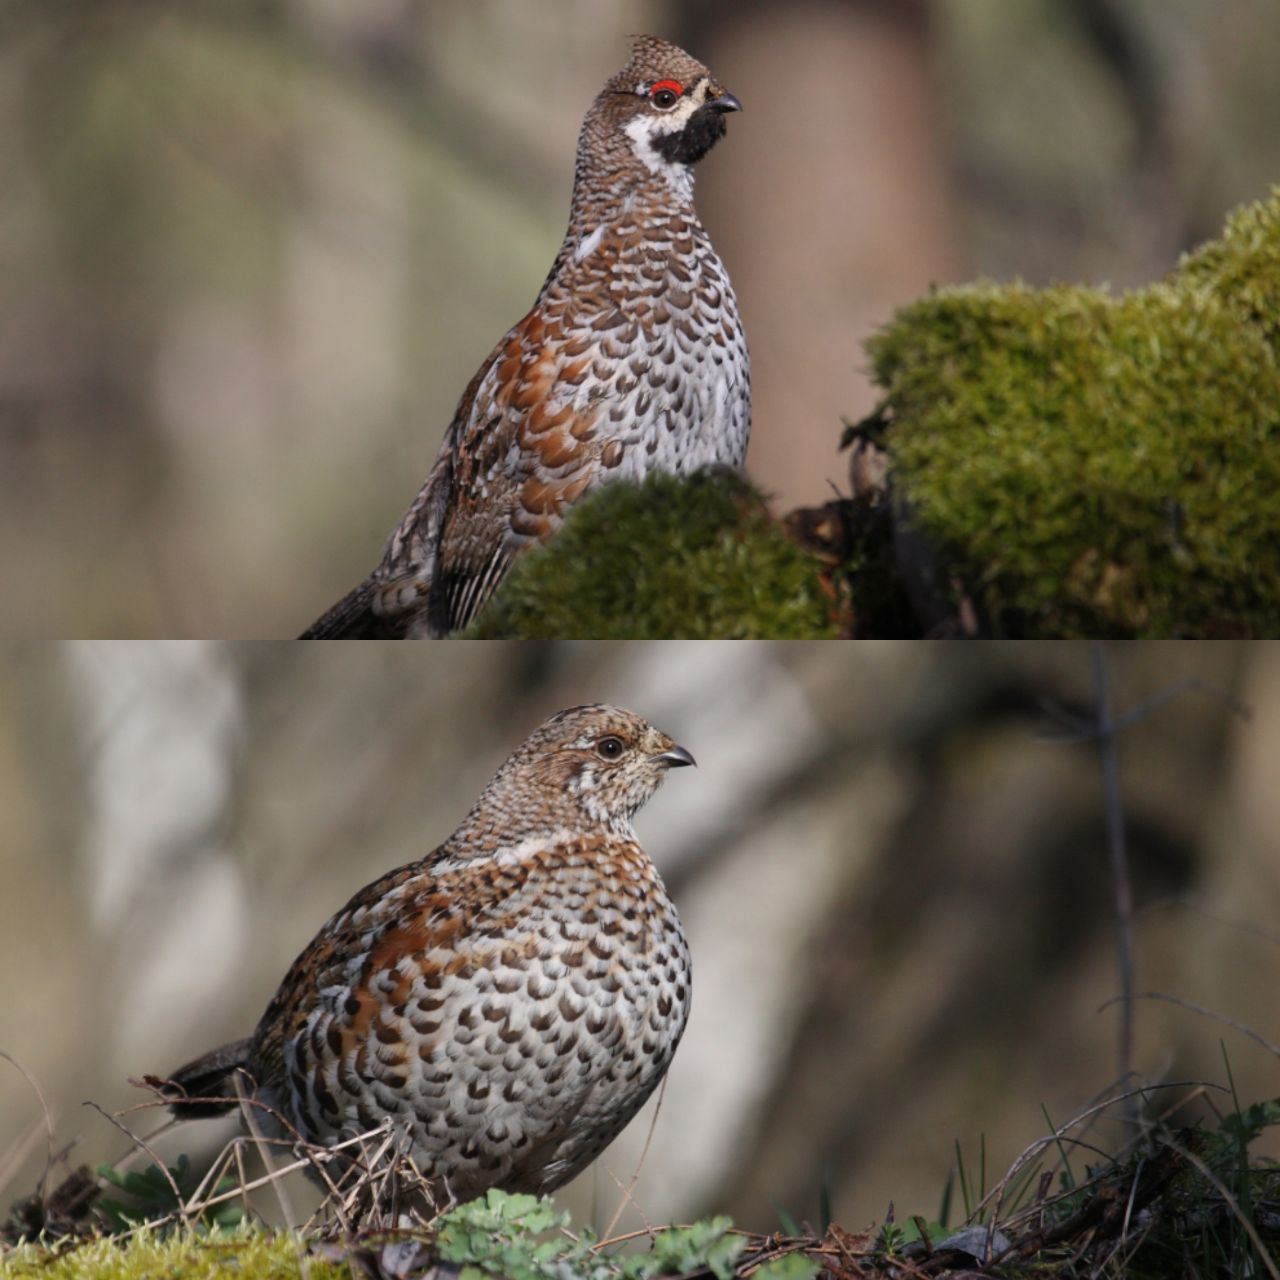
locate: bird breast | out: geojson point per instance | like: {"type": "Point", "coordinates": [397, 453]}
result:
{"type": "Point", "coordinates": [654, 357]}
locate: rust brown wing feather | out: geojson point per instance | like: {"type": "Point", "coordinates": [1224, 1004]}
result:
{"type": "Point", "coordinates": [528, 453]}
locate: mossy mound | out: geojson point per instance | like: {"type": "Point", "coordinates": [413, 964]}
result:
{"type": "Point", "coordinates": [1087, 464]}
{"type": "Point", "coordinates": [697, 558]}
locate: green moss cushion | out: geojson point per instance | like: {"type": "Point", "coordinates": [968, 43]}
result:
{"type": "Point", "coordinates": [698, 558]}
{"type": "Point", "coordinates": [1097, 465]}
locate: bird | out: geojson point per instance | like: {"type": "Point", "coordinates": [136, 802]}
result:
{"type": "Point", "coordinates": [632, 360]}
{"type": "Point", "coordinates": [506, 1003]}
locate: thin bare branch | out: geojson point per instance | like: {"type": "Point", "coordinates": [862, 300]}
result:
{"type": "Point", "coordinates": [1218, 917]}
{"type": "Point", "coordinates": [1189, 684]}
{"type": "Point", "coordinates": [1121, 886]}
{"type": "Point", "coordinates": [155, 1159]}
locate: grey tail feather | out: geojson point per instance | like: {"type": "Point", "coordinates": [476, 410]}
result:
{"type": "Point", "coordinates": [207, 1082]}
{"type": "Point", "coordinates": [350, 619]}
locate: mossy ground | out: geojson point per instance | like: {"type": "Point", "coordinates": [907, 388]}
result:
{"type": "Point", "coordinates": [1090, 464]}
{"type": "Point", "coordinates": [698, 559]}
{"type": "Point", "coordinates": [250, 1253]}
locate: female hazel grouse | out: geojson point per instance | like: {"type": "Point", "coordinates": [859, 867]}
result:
{"type": "Point", "coordinates": [508, 1002]}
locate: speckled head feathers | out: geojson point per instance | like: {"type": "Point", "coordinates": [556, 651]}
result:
{"type": "Point", "coordinates": [585, 767]}
{"type": "Point", "coordinates": [653, 59]}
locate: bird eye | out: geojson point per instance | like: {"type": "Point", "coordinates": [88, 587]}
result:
{"type": "Point", "coordinates": [665, 94]}
{"type": "Point", "coordinates": [609, 748]}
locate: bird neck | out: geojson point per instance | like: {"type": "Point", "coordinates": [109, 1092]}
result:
{"type": "Point", "coordinates": [627, 201]}
{"type": "Point", "coordinates": [508, 821]}
{"type": "Point", "coordinates": [618, 172]}
{"type": "Point", "coordinates": [601, 196]}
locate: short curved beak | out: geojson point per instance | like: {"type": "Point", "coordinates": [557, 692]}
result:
{"type": "Point", "coordinates": [676, 758]}
{"type": "Point", "coordinates": [725, 102]}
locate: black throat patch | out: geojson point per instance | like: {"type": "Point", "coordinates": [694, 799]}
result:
{"type": "Point", "coordinates": [705, 128]}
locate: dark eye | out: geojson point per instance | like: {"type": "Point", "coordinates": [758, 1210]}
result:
{"type": "Point", "coordinates": [609, 748]}
{"type": "Point", "coordinates": [665, 94]}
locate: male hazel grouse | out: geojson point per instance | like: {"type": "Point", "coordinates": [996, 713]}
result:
{"type": "Point", "coordinates": [633, 360]}
{"type": "Point", "coordinates": [508, 1002]}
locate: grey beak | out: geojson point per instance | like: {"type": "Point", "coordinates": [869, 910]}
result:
{"type": "Point", "coordinates": [725, 102]}
{"type": "Point", "coordinates": [676, 758]}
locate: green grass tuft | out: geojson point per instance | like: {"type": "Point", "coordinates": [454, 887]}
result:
{"type": "Point", "coordinates": [698, 558]}
{"type": "Point", "coordinates": [1101, 465]}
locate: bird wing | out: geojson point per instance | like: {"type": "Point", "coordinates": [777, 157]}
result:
{"type": "Point", "coordinates": [528, 450]}
{"type": "Point", "coordinates": [525, 442]}
{"type": "Point", "coordinates": [321, 978]}
{"type": "Point", "coordinates": [367, 998]}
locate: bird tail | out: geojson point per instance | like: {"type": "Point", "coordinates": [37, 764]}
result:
{"type": "Point", "coordinates": [206, 1087]}
{"type": "Point", "coordinates": [352, 618]}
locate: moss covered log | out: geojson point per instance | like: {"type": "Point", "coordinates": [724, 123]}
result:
{"type": "Point", "coordinates": [1090, 464]}
{"type": "Point", "coordinates": [699, 558]}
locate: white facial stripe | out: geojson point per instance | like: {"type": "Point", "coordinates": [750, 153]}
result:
{"type": "Point", "coordinates": [641, 131]}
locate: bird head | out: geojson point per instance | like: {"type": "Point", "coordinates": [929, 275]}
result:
{"type": "Point", "coordinates": [585, 767]}
{"type": "Point", "coordinates": [665, 107]}
{"type": "Point", "coordinates": [607, 760]}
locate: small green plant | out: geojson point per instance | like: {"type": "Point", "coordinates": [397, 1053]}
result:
{"type": "Point", "coordinates": [151, 1196]}
{"type": "Point", "coordinates": [790, 1223]}
{"type": "Point", "coordinates": [520, 1237]}
{"type": "Point", "coordinates": [509, 1236]}
{"type": "Point", "coordinates": [893, 1237]}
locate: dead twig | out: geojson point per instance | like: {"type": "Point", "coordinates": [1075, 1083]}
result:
{"type": "Point", "coordinates": [1106, 730]}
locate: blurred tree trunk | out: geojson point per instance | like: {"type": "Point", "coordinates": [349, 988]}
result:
{"type": "Point", "coordinates": [160, 727]}
{"type": "Point", "coordinates": [854, 209]}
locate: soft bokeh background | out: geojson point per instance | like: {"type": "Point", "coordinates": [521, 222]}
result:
{"type": "Point", "coordinates": [893, 881]}
{"type": "Point", "coordinates": [251, 253]}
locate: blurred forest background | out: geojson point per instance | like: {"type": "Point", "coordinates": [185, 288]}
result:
{"type": "Point", "coordinates": [893, 877]}
{"type": "Point", "coordinates": [251, 253]}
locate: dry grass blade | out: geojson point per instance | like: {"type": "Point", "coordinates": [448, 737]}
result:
{"type": "Point", "coordinates": [1062, 1134]}
{"type": "Point", "coordinates": [1243, 1218]}
{"type": "Point", "coordinates": [1243, 1028]}
{"type": "Point", "coordinates": [18, 1151]}
{"type": "Point", "coordinates": [14, 1158]}
{"type": "Point", "coordinates": [247, 1112]}
{"type": "Point", "coordinates": [627, 1197]}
